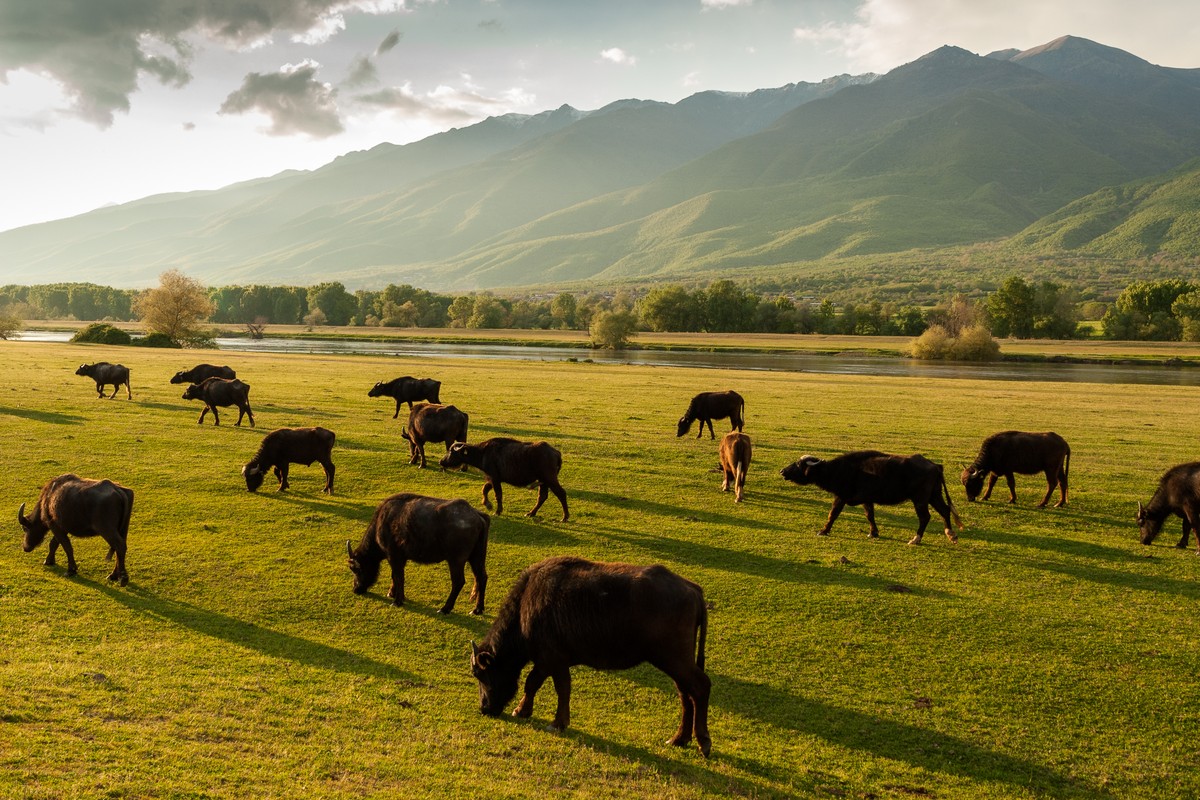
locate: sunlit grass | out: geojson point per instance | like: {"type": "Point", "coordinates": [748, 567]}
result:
{"type": "Point", "coordinates": [1046, 654]}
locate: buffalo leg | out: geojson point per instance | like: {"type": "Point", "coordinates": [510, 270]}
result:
{"type": "Point", "coordinates": [1051, 482]}
{"type": "Point", "coordinates": [398, 404]}
{"type": "Point", "coordinates": [457, 581]}
{"type": "Point", "coordinates": [1062, 487]}
{"type": "Point", "coordinates": [728, 477]}
{"type": "Point", "coordinates": [838, 505]}
{"type": "Point", "coordinates": [543, 493]}
{"type": "Point", "coordinates": [50, 560]}
{"type": "Point", "coordinates": [128, 391]}
{"type": "Point", "coordinates": [923, 516]}
{"type": "Point", "coordinates": [1191, 517]}
{"type": "Point", "coordinates": [249, 414]}
{"type": "Point", "coordinates": [216, 419]}
{"type": "Point", "coordinates": [991, 483]}
{"type": "Point", "coordinates": [480, 572]}
{"type": "Point", "coordinates": [282, 472]}
{"type": "Point", "coordinates": [487, 487]}
{"type": "Point", "coordinates": [711, 435]}
{"type": "Point", "coordinates": [694, 689]}
{"type": "Point", "coordinates": [117, 545]}
{"type": "Point", "coordinates": [562, 687]}
{"type": "Point", "coordinates": [65, 542]}
{"type": "Point", "coordinates": [561, 494]}
{"type": "Point", "coordinates": [869, 508]}
{"type": "Point", "coordinates": [100, 389]}
{"type": "Point", "coordinates": [943, 507]}
{"type": "Point", "coordinates": [203, 411]}
{"type": "Point", "coordinates": [116, 388]}
{"type": "Point", "coordinates": [397, 590]}
{"type": "Point", "coordinates": [1012, 487]}
{"type": "Point", "coordinates": [537, 676]}
{"type": "Point", "coordinates": [499, 497]}
{"type": "Point", "coordinates": [329, 470]}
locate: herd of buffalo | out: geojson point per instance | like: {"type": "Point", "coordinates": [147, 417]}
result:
{"type": "Point", "coordinates": [565, 611]}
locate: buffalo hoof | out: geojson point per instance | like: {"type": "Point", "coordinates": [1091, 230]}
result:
{"type": "Point", "coordinates": [705, 747]}
{"type": "Point", "coordinates": [822, 533]}
{"type": "Point", "coordinates": [554, 727]}
{"type": "Point", "coordinates": [679, 741]}
{"type": "Point", "coordinates": [50, 562]}
{"type": "Point", "coordinates": [72, 572]}
{"type": "Point", "coordinates": [915, 540]}
{"type": "Point", "coordinates": [477, 612]}
{"type": "Point", "coordinates": [566, 518]}
{"type": "Point", "coordinates": [873, 535]}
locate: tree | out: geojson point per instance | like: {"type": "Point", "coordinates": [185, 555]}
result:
{"type": "Point", "coordinates": [728, 308]}
{"type": "Point", "coordinates": [563, 309]}
{"type": "Point", "coordinates": [334, 301]}
{"type": "Point", "coordinates": [10, 324]}
{"type": "Point", "coordinates": [175, 308]}
{"type": "Point", "coordinates": [671, 308]}
{"type": "Point", "coordinates": [1143, 311]}
{"type": "Point", "coordinates": [612, 330]}
{"type": "Point", "coordinates": [1010, 309]}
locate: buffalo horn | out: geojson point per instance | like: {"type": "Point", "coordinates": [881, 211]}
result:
{"type": "Point", "coordinates": [349, 549]}
{"type": "Point", "coordinates": [1141, 511]}
{"type": "Point", "coordinates": [24, 522]}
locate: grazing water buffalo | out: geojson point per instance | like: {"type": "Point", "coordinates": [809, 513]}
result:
{"type": "Point", "coordinates": [1178, 493]}
{"type": "Point", "coordinates": [221, 392]}
{"type": "Point", "coordinates": [735, 462]}
{"type": "Point", "coordinates": [286, 446]}
{"type": "Point", "coordinates": [202, 372]}
{"type": "Point", "coordinates": [708, 406]}
{"type": "Point", "coordinates": [427, 530]}
{"type": "Point", "coordinates": [104, 374]}
{"type": "Point", "coordinates": [504, 460]}
{"type": "Point", "coordinates": [869, 478]}
{"type": "Point", "coordinates": [431, 422]}
{"type": "Point", "coordinates": [407, 390]}
{"type": "Point", "coordinates": [566, 611]}
{"type": "Point", "coordinates": [1011, 452]}
{"type": "Point", "coordinates": [74, 506]}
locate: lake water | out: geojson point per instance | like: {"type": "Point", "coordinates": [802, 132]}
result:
{"type": "Point", "coordinates": [849, 364]}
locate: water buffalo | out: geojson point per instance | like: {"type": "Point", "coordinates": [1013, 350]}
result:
{"type": "Point", "coordinates": [427, 530]}
{"type": "Point", "coordinates": [735, 462]}
{"type": "Point", "coordinates": [504, 460]}
{"type": "Point", "coordinates": [202, 372]}
{"type": "Point", "coordinates": [104, 374]}
{"type": "Point", "coordinates": [566, 611]}
{"type": "Point", "coordinates": [407, 390]}
{"type": "Point", "coordinates": [708, 406]}
{"type": "Point", "coordinates": [221, 392]}
{"type": "Point", "coordinates": [1178, 493]}
{"type": "Point", "coordinates": [1011, 452]}
{"type": "Point", "coordinates": [869, 478]}
{"type": "Point", "coordinates": [286, 446]}
{"type": "Point", "coordinates": [431, 422]}
{"type": "Point", "coordinates": [74, 506]}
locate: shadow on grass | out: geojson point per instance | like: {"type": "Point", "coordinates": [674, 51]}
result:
{"type": "Point", "coordinates": [550, 435]}
{"type": "Point", "coordinates": [352, 510]}
{"type": "Point", "coordinates": [689, 513]}
{"type": "Point", "coordinates": [1126, 580]}
{"type": "Point", "coordinates": [301, 411]}
{"type": "Point", "coordinates": [1070, 547]}
{"type": "Point", "coordinates": [245, 634]}
{"type": "Point", "coordinates": [52, 417]}
{"type": "Point", "coordinates": [729, 560]}
{"type": "Point", "coordinates": [890, 739]}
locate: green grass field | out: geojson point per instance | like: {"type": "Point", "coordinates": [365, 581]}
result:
{"type": "Point", "coordinates": [1047, 654]}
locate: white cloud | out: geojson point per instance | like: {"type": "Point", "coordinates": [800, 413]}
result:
{"type": "Point", "coordinates": [724, 3]}
{"type": "Point", "coordinates": [293, 98]}
{"type": "Point", "coordinates": [447, 105]}
{"type": "Point", "coordinates": [618, 56]}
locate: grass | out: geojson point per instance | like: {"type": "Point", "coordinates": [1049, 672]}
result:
{"type": "Point", "coordinates": [1047, 654]}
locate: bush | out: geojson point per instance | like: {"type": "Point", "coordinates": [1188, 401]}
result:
{"type": "Point", "coordinates": [102, 333]}
{"type": "Point", "coordinates": [933, 344]}
{"type": "Point", "coordinates": [10, 325]}
{"type": "Point", "coordinates": [157, 340]}
{"type": "Point", "coordinates": [974, 344]}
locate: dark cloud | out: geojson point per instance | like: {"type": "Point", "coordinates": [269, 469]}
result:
{"type": "Point", "coordinates": [97, 49]}
{"type": "Point", "coordinates": [362, 73]}
{"type": "Point", "coordinates": [389, 41]}
{"type": "Point", "coordinates": [293, 98]}
{"type": "Point", "coordinates": [189, 126]}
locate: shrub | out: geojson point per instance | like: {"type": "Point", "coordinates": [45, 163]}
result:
{"type": "Point", "coordinates": [157, 339]}
{"type": "Point", "coordinates": [102, 333]}
{"type": "Point", "coordinates": [933, 344]}
{"type": "Point", "coordinates": [9, 325]}
{"type": "Point", "coordinates": [974, 344]}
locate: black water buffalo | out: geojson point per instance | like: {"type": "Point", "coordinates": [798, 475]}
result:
{"type": "Point", "coordinates": [427, 530]}
{"type": "Point", "coordinates": [735, 462]}
{"type": "Point", "coordinates": [407, 390]}
{"type": "Point", "coordinates": [1011, 452]}
{"type": "Point", "coordinates": [221, 392]}
{"type": "Point", "coordinates": [202, 372]}
{"type": "Point", "coordinates": [104, 374]}
{"type": "Point", "coordinates": [708, 406]}
{"type": "Point", "coordinates": [285, 446]}
{"type": "Point", "coordinates": [504, 460]}
{"type": "Point", "coordinates": [869, 478]}
{"type": "Point", "coordinates": [73, 506]}
{"type": "Point", "coordinates": [566, 611]}
{"type": "Point", "coordinates": [1178, 493]}
{"type": "Point", "coordinates": [431, 422]}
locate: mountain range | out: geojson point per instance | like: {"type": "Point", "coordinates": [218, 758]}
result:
{"type": "Point", "coordinates": [1070, 147]}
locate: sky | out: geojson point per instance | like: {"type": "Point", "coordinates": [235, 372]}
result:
{"type": "Point", "coordinates": [107, 101]}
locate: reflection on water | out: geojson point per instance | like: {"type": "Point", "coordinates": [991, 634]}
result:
{"type": "Point", "coordinates": [788, 362]}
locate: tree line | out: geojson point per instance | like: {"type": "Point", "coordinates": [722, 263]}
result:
{"type": "Point", "coordinates": [1145, 310]}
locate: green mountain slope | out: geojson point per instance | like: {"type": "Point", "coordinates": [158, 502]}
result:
{"type": "Point", "coordinates": [1158, 216]}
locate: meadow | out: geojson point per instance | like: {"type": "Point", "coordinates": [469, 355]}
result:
{"type": "Point", "coordinates": [1046, 654]}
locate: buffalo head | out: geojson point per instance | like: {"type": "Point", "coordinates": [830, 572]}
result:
{"type": "Point", "coordinates": [34, 532]}
{"type": "Point", "coordinates": [496, 686]}
{"type": "Point", "coordinates": [192, 392]}
{"type": "Point", "coordinates": [798, 472]}
{"type": "Point", "coordinates": [253, 474]}
{"type": "Point", "coordinates": [682, 427]}
{"type": "Point", "coordinates": [376, 390]}
{"type": "Point", "coordinates": [365, 572]}
{"type": "Point", "coordinates": [972, 481]}
{"type": "Point", "coordinates": [456, 456]}
{"type": "Point", "coordinates": [84, 369]}
{"type": "Point", "coordinates": [178, 378]}
{"type": "Point", "coordinates": [1148, 527]}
